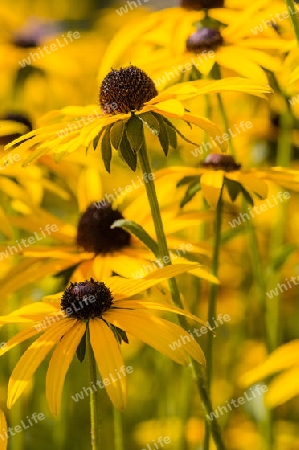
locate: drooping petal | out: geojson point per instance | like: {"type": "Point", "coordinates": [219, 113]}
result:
{"type": "Point", "coordinates": [109, 361]}
{"type": "Point", "coordinates": [211, 183]}
{"type": "Point", "coordinates": [33, 357]}
{"type": "Point", "coordinates": [160, 334]}
{"type": "Point", "coordinates": [59, 364]}
{"type": "Point", "coordinates": [20, 337]}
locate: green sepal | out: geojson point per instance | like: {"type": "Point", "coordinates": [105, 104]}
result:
{"type": "Point", "coordinates": [116, 133]}
{"type": "Point", "coordinates": [190, 193]}
{"type": "Point", "coordinates": [163, 135]}
{"type": "Point", "coordinates": [127, 153]}
{"type": "Point", "coordinates": [95, 142]}
{"type": "Point", "coordinates": [81, 349]}
{"type": "Point", "coordinates": [187, 180]}
{"type": "Point", "coordinates": [139, 232]}
{"type": "Point", "coordinates": [119, 334]}
{"type": "Point", "coordinates": [134, 131]}
{"type": "Point", "coordinates": [170, 125]}
{"type": "Point", "coordinates": [151, 122]}
{"type": "Point", "coordinates": [233, 187]}
{"type": "Point", "coordinates": [106, 149]}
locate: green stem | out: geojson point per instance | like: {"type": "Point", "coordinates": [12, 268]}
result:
{"type": "Point", "coordinates": [118, 429]}
{"type": "Point", "coordinates": [95, 421]}
{"type": "Point", "coordinates": [293, 17]}
{"type": "Point", "coordinates": [163, 251]}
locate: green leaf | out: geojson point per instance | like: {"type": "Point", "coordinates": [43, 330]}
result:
{"type": "Point", "coordinates": [106, 149]}
{"type": "Point", "coordinates": [134, 131]}
{"type": "Point", "coordinates": [228, 235]}
{"type": "Point", "coordinates": [116, 133]}
{"type": "Point", "coordinates": [282, 255]}
{"type": "Point", "coordinates": [163, 135]}
{"type": "Point", "coordinates": [139, 232]}
{"type": "Point", "coordinates": [151, 122]}
{"type": "Point", "coordinates": [127, 153]}
{"type": "Point", "coordinates": [171, 134]}
{"type": "Point", "coordinates": [81, 349]}
{"type": "Point", "coordinates": [190, 193]}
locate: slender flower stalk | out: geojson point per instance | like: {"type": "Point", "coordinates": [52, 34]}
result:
{"type": "Point", "coordinates": [198, 371]}
{"type": "Point", "coordinates": [118, 429]}
{"type": "Point", "coordinates": [293, 17]}
{"type": "Point", "coordinates": [95, 420]}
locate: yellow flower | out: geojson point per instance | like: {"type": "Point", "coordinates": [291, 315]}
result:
{"type": "Point", "coordinates": [129, 102]}
{"type": "Point", "coordinates": [286, 385]}
{"type": "Point", "coordinates": [109, 313]}
{"type": "Point", "coordinates": [90, 248]}
{"type": "Point", "coordinates": [175, 44]}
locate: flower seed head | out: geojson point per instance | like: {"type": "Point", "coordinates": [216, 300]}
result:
{"type": "Point", "coordinates": [86, 300]}
{"type": "Point", "coordinates": [197, 5]}
{"type": "Point", "coordinates": [204, 39]}
{"type": "Point", "coordinates": [125, 90]}
{"type": "Point", "coordinates": [94, 233]}
{"type": "Point", "coordinates": [221, 162]}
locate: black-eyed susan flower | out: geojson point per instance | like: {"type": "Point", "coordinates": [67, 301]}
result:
{"type": "Point", "coordinates": [109, 313]}
{"type": "Point", "coordinates": [129, 102]}
{"type": "Point", "coordinates": [89, 247]}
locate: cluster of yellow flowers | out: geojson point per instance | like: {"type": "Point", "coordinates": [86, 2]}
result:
{"type": "Point", "coordinates": [92, 209]}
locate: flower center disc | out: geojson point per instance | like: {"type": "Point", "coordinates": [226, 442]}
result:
{"type": "Point", "coordinates": [125, 90]}
{"type": "Point", "coordinates": [86, 300]}
{"type": "Point", "coordinates": [94, 233]}
{"type": "Point", "coordinates": [197, 5]}
{"type": "Point", "coordinates": [204, 39]}
{"type": "Point", "coordinates": [221, 162]}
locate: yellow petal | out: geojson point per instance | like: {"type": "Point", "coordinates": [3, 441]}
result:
{"type": "Point", "coordinates": [280, 359]}
{"type": "Point", "coordinates": [89, 187]}
{"type": "Point", "coordinates": [109, 361]}
{"type": "Point", "coordinates": [154, 331]}
{"type": "Point", "coordinates": [18, 338]}
{"type": "Point", "coordinates": [3, 431]}
{"type": "Point", "coordinates": [283, 388]}
{"type": "Point", "coordinates": [59, 364]}
{"type": "Point", "coordinates": [122, 288]}
{"type": "Point", "coordinates": [33, 357]}
{"type": "Point", "coordinates": [139, 304]}
{"type": "Point", "coordinates": [209, 127]}
{"type": "Point", "coordinates": [211, 184]}
{"type": "Point", "coordinates": [250, 182]}
{"type": "Point", "coordinates": [172, 106]}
